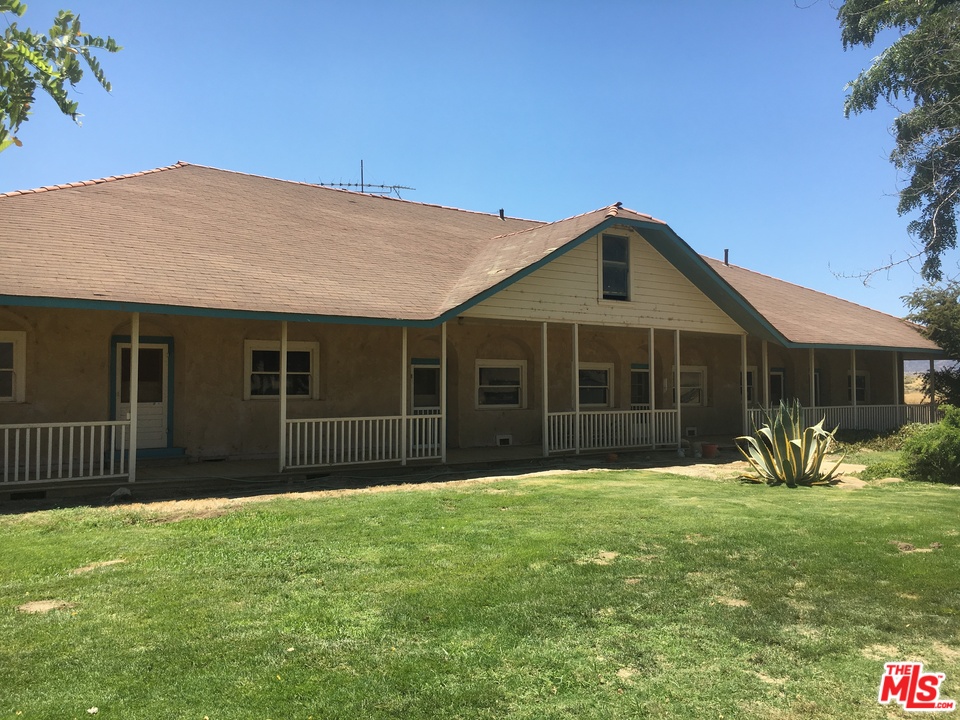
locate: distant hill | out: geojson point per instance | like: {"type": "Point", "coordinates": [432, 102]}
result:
{"type": "Point", "coordinates": [912, 367]}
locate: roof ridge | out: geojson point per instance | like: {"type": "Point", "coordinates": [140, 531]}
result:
{"type": "Point", "coordinates": [554, 222]}
{"type": "Point", "coordinates": [353, 192]}
{"type": "Point", "coordinates": [95, 181]}
{"type": "Point", "coordinates": [804, 287]}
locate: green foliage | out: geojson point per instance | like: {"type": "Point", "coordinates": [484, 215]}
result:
{"type": "Point", "coordinates": [783, 451]}
{"type": "Point", "coordinates": [936, 308]}
{"type": "Point", "coordinates": [932, 452]}
{"type": "Point", "coordinates": [30, 60]}
{"type": "Point", "coordinates": [921, 68]}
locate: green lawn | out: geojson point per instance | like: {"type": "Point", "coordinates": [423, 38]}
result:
{"type": "Point", "coordinates": [596, 595]}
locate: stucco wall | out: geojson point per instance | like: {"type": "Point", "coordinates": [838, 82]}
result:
{"type": "Point", "coordinates": [68, 367]}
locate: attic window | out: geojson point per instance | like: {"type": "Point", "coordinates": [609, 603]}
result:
{"type": "Point", "coordinates": [616, 268]}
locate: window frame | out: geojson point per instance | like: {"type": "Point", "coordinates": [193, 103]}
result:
{"type": "Point", "coordinates": [640, 369]}
{"type": "Point", "coordinates": [434, 366]}
{"type": "Point", "coordinates": [249, 346]}
{"type": "Point", "coordinates": [521, 365]}
{"type": "Point", "coordinates": [702, 370]}
{"type": "Point", "coordinates": [625, 265]}
{"type": "Point", "coordinates": [865, 374]}
{"type": "Point", "coordinates": [17, 338]}
{"type": "Point", "coordinates": [608, 368]}
{"type": "Point", "coordinates": [752, 377]}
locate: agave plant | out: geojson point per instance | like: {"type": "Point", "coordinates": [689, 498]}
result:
{"type": "Point", "coordinates": [783, 451]}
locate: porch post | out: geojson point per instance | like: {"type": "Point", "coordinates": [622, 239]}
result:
{"type": "Point", "coordinates": [576, 388]}
{"type": "Point", "coordinates": [134, 393]}
{"type": "Point", "coordinates": [650, 364]}
{"type": "Point", "coordinates": [676, 382]}
{"type": "Point", "coordinates": [544, 390]}
{"type": "Point", "coordinates": [897, 384]}
{"type": "Point", "coordinates": [403, 397]}
{"type": "Point", "coordinates": [766, 375]}
{"type": "Point", "coordinates": [813, 379]}
{"type": "Point", "coordinates": [283, 394]}
{"type": "Point", "coordinates": [853, 387]}
{"type": "Point", "coordinates": [743, 383]}
{"type": "Point", "coordinates": [443, 393]}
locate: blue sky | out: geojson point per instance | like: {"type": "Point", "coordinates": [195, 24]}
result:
{"type": "Point", "coordinates": [724, 119]}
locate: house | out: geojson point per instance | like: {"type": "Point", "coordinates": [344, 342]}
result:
{"type": "Point", "coordinates": [152, 311]}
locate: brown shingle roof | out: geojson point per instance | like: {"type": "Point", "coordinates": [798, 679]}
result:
{"type": "Point", "coordinates": [809, 317]}
{"type": "Point", "coordinates": [199, 237]}
{"type": "Point", "coordinates": [188, 236]}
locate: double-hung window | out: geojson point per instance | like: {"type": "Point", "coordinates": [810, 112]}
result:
{"type": "Point", "coordinates": [693, 385]}
{"type": "Point", "coordinates": [262, 369]}
{"type": "Point", "coordinates": [596, 384]}
{"type": "Point", "coordinates": [640, 387]}
{"type": "Point", "coordinates": [863, 387]}
{"type": "Point", "coordinates": [12, 361]}
{"type": "Point", "coordinates": [615, 267]}
{"type": "Point", "coordinates": [500, 383]}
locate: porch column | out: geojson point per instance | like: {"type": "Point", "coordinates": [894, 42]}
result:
{"type": "Point", "coordinates": [403, 397]}
{"type": "Point", "coordinates": [813, 378]}
{"type": "Point", "coordinates": [544, 390]}
{"type": "Point", "coordinates": [853, 387]}
{"type": "Point", "coordinates": [897, 384]}
{"type": "Point", "coordinates": [283, 394]}
{"type": "Point", "coordinates": [652, 375]}
{"type": "Point", "coordinates": [676, 382]}
{"type": "Point", "coordinates": [743, 383]}
{"type": "Point", "coordinates": [766, 375]}
{"type": "Point", "coordinates": [134, 393]}
{"type": "Point", "coordinates": [443, 393]}
{"type": "Point", "coordinates": [576, 388]}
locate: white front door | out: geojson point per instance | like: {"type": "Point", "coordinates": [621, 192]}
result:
{"type": "Point", "coordinates": [152, 393]}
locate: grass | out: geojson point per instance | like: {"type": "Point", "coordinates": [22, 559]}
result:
{"type": "Point", "coordinates": [597, 595]}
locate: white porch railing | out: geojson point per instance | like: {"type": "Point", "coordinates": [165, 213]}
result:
{"type": "Point", "coordinates": [862, 417]}
{"type": "Point", "coordinates": [64, 451]}
{"type": "Point", "coordinates": [316, 442]}
{"type": "Point", "coordinates": [610, 429]}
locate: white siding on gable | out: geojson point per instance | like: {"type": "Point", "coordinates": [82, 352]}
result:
{"type": "Point", "coordinates": [568, 290]}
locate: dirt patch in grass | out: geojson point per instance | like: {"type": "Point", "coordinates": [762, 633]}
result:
{"type": "Point", "coordinates": [604, 557]}
{"type": "Point", "coordinates": [731, 602]}
{"type": "Point", "coordinates": [45, 606]}
{"type": "Point", "coordinates": [96, 566]}
{"type": "Point", "coordinates": [906, 547]}
{"type": "Point", "coordinates": [880, 652]}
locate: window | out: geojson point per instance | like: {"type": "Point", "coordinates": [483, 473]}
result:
{"type": "Point", "coordinates": [778, 387]}
{"type": "Point", "coordinates": [500, 383]}
{"type": "Point", "coordinates": [425, 398]}
{"type": "Point", "coordinates": [596, 384]}
{"type": "Point", "coordinates": [12, 365]}
{"type": "Point", "coordinates": [751, 384]}
{"type": "Point", "coordinates": [616, 268]}
{"type": "Point", "coordinates": [693, 385]}
{"type": "Point", "coordinates": [640, 387]}
{"type": "Point", "coordinates": [816, 388]}
{"type": "Point", "coordinates": [262, 369]}
{"type": "Point", "coordinates": [863, 386]}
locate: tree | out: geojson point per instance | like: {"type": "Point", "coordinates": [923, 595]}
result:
{"type": "Point", "coordinates": [921, 68]}
{"type": "Point", "coordinates": [937, 309]}
{"type": "Point", "coordinates": [29, 60]}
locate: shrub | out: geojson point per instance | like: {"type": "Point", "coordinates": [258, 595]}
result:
{"type": "Point", "coordinates": [932, 452]}
{"type": "Point", "coordinates": [783, 451]}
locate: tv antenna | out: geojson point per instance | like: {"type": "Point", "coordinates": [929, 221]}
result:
{"type": "Point", "coordinates": [363, 185]}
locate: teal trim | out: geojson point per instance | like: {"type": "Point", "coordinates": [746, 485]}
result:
{"type": "Point", "coordinates": [80, 304]}
{"type": "Point", "coordinates": [425, 361]}
{"type": "Point", "coordinates": [116, 340]}
{"type": "Point", "coordinates": [639, 366]}
{"type": "Point", "coordinates": [779, 370]}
